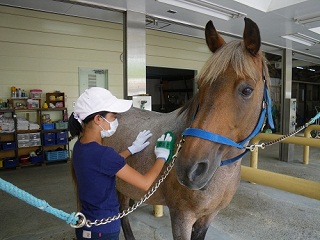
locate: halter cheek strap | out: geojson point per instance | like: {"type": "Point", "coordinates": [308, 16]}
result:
{"type": "Point", "coordinates": [203, 134]}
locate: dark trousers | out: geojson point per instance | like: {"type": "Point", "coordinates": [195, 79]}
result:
{"type": "Point", "coordinates": [85, 234]}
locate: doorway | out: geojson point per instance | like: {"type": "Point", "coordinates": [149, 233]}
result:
{"type": "Point", "coordinates": [169, 88]}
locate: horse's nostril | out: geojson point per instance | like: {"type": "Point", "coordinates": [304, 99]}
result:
{"type": "Point", "coordinates": [197, 171]}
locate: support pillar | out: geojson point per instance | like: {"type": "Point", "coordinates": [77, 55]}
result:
{"type": "Point", "coordinates": [286, 150]}
{"type": "Point", "coordinates": [134, 49]}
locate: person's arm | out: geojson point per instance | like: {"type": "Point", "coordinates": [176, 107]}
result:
{"type": "Point", "coordinates": [144, 181]}
{"type": "Point", "coordinates": [130, 175]}
{"type": "Point", "coordinates": [126, 153]}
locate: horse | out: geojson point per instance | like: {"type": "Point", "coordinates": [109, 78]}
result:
{"type": "Point", "coordinates": [228, 104]}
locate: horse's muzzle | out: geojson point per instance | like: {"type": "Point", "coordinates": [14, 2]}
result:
{"type": "Point", "coordinates": [197, 175]}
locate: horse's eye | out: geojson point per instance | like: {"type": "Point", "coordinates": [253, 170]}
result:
{"type": "Point", "coordinates": [246, 92]}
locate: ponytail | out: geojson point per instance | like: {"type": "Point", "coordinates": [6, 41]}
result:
{"type": "Point", "coordinates": [75, 128]}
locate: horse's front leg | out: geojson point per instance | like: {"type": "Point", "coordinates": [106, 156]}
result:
{"type": "Point", "coordinates": [200, 227]}
{"type": "Point", "coordinates": [181, 222]}
{"type": "Point", "coordinates": [126, 227]}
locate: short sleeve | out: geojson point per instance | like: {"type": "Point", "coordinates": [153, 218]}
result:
{"type": "Point", "coordinates": [111, 162]}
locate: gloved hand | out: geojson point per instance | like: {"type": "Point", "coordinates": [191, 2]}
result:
{"type": "Point", "coordinates": [141, 142]}
{"type": "Point", "coordinates": [165, 146]}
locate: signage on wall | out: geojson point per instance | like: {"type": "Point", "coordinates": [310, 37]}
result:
{"type": "Point", "coordinates": [92, 77]}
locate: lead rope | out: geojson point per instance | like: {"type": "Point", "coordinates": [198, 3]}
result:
{"type": "Point", "coordinates": [36, 202]}
{"type": "Point", "coordinates": [82, 220]}
{"type": "Point", "coordinates": [264, 145]}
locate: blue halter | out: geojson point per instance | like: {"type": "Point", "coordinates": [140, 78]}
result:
{"type": "Point", "coordinates": [203, 134]}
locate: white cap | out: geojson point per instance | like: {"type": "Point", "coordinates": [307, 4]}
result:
{"type": "Point", "coordinates": [97, 99]}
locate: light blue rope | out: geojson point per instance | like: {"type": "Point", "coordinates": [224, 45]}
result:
{"type": "Point", "coordinates": [315, 118]}
{"type": "Point", "coordinates": [36, 202]}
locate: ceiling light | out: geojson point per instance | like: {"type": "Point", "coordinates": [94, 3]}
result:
{"type": "Point", "coordinates": [301, 38]}
{"type": "Point", "coordinates": [311, 69]}
{"type": "Point", "coordinates": [316, 30]}
{"type": "Point", "coordinates": [205, 7]}
{"type": "Point", "coordinates": [299, 67]}
{"type": "Point", "coordinates": [305, 20]}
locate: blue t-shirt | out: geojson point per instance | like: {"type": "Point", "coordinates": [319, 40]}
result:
{"type": "Point", "coordinates": [95, 167]}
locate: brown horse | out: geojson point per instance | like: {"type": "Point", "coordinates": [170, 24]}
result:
{"type": "Point", "coordinates": [228, 104]}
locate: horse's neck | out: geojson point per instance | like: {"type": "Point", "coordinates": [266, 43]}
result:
{"type": "Point", "coordinates": [156, 122]}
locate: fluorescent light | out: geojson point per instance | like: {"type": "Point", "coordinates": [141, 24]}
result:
{"type": "Point", "coordinates": [311, 69]}
{"type": "Point", "coordinates": [205, 7]}
{"type": "Point", "coordinates": [301, 38]}
{"type": "Point", "coordinates": [316, 30]}
{"type": "Point", "coordinates": [305, 20]}
{"type": "Point", "coordinates": [299, 67]}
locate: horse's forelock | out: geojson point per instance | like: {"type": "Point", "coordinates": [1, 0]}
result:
{"type": "Point", "coordinates": [233, 53]}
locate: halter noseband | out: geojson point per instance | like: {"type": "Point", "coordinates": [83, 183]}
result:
{"type": "Point", "coordinates": [265, 111]}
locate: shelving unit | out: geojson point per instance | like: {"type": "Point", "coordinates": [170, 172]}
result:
{"type": "Point", "coordinates": [55, 136]}
{"type": "Point", "coordinates": [56, 98]}
{"type": "Point", "coordinates": [8, 147]}
{"type": "Point", "coordinates": [48, 140]}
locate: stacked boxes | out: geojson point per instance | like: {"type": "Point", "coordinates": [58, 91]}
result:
{"type": "Point", "coordinates": [61, 138]}
{"type": "Point", "coordinates": [29, 139]}
{"type": "Point", "coordinates": [49, 139]}
{"type": "Point", "coordinates": [35, 139]}
{"type": "Point", "coordinates": [23, 140]}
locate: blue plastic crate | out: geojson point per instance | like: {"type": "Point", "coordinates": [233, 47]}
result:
{"type": "Point", "coordinates": [10, 162]}
{"type": "Point", "coordinates": [61, 141]}
{"type": "Point", "coordinates": [61, 135]}
{"type": "Point", "coordinates": [61, 125]}
{"type": "Point", "coordinates": [8, 145]}
{"type": "Point", "coordinates": [50, 135]}
{"type": "Point", "coordinates": [36, 159]}
{"type": "Point", "coordinates": [49, 142]}
{"type": "Point", "coordinates": [56, 155]}
{"type": "Point", "coordinates": [49, 139]}
{"type": "Point", "coordinates": [48, 126]}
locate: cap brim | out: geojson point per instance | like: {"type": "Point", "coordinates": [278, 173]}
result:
{"type": "Point", "coordinates": [120, 106]}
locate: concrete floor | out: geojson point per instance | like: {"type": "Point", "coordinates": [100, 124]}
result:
{"type": "Point", "coordinates": [256, 212]}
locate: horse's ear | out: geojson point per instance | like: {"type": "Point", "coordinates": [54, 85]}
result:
{"type": "Point", "coordinates": [213, 39]}
{"type": "Point", "coordinates": [251, 36]}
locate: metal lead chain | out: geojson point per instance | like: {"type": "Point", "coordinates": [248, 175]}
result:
{"type": "Point", "coordinates": [144, 198]}
{"type": "Point", "coordinates": [263, 145]}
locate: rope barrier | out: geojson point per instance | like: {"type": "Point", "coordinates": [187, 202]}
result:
{"type": "Point", "coordinates": [36, 202]}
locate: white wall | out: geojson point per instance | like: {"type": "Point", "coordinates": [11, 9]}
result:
{"type": "Point", "coordinates": [44, 50]}
{"type": "Point", "coordinates": [175, 51]}
{"type": "Point", "coordinates": [41, 50]}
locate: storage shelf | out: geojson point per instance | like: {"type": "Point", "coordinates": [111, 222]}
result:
{"type": "Point", "coordinates": [24, 149]}
{"type": "Point", "coordinates": [53, 109]}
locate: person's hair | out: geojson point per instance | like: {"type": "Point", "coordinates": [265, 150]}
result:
{"type": "Point", "coordinates": [75, 128]}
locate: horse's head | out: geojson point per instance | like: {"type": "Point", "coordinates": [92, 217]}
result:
{"type": "Point", "coordinates": [229, 102]}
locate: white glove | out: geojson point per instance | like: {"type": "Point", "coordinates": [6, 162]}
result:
{"type": "Point", "coordinates": [163, 152]}
{"type": "Point", "coordinates": [141, 142]}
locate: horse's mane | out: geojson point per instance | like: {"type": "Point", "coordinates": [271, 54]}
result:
{"type": "Point", "coordinates": [233, 53]}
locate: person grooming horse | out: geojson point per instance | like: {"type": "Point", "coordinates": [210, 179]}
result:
{"type": "Point", "coordinates": [95, 166]}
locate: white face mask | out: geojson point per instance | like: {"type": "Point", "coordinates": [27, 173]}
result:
{"type": "Point", "coordinates": [113, 127]}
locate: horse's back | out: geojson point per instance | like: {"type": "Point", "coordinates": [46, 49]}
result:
{"type": "Point", "coordinates": [130, 124]}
